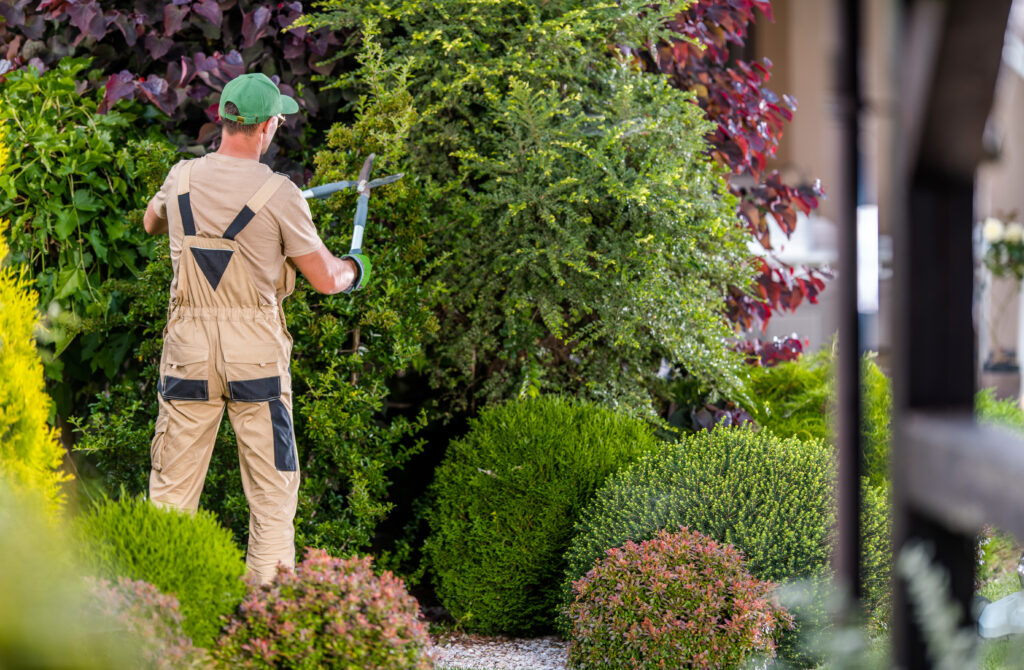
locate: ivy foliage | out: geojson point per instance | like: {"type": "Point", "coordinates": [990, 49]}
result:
{"type": "Point", "coordinates": [587, 234]}
{"type": "Point", "coordinates": [74, 189]}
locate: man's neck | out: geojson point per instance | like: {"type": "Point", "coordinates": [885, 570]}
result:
{"type": "Point", "coordinates": [240, 146]}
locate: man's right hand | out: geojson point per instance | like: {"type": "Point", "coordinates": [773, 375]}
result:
{"type": "Point", "coordinates": [363, 278]}
{"type": "Point", "coordinates": [329, 274]}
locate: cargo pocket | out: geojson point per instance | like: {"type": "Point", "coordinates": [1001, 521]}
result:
{"type": "Point", "coordinates": [253, 372]}
{"type": "Point", "coordinates": [156, 447]}
{"type": "Point", "coordinates": [183, 374]}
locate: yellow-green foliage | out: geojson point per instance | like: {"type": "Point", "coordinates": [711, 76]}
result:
{"type": "Point", "coordinates": [30, 454]}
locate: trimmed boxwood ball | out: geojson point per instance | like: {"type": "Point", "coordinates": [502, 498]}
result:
{"type": "Point", "coordinates": [507, 495]}
{"type": "Point", "coordinates": [678, 600]}
{"type": "Point", "coordinates": [327, 613]}
{"type": "Point", "coordinates": [772, 498]}
{"type": "Point", "coordinates": [190, 556]}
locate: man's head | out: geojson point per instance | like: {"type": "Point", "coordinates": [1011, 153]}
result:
{"type": "Point", "coordinates": [251, 105]}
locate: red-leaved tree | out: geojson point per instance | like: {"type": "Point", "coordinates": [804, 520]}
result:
{"type": "Point", "coordinates": [750, 119]}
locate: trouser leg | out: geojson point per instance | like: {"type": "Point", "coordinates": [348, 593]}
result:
{"type": "Point", "coordinates": [180, 452]}
{"type": "Point", "coordinates": [270, 478]}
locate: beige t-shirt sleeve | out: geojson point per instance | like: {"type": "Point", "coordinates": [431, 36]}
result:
{"type": "Point", "coordinates": [170, 187]}
{"type": "Point", "coordinates": [298, 234]}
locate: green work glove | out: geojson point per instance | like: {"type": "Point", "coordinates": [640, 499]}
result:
{"type": "Point", "coordinates": [363, 262]}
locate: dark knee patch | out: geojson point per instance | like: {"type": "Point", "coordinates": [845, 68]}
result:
{"type": "Point", "coordinates": [255, 390]}
{"type": "Point", "coordinates": [284, 437]}
{"type": "Point", "coordinates": [173, 388]}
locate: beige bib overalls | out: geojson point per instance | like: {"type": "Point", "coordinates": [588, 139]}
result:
{"type": "Point", "coordinates": [223, 345]}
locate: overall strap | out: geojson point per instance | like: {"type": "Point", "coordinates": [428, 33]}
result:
{"type": "Point", "coordinates": [188, 223]}
{"type": "Point", "coordinates": [255, 204]}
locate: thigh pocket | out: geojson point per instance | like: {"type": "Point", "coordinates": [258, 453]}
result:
{"type": "Point", "coordinates": [253, 372]}
{"type": "Point", "coordinates": [184, 372]}
{"type": "Point", "coordinates": [156, 446]}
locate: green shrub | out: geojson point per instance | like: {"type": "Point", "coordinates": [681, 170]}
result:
{"type": "Point", "coordinates": [586, 230]}
{"type": "Point", "coordinates": [507, 496]}
{"type": "Point", "coordinates": [772, 498]}
{"type": "Point", "coordinates": [678, 600]}
{"type": "Point", "coordinates": [152, 619]}
{"type": "Point", "coordinates": [876, 553]}
{"type": "Point", "coordinates": [796, 399]}
{"type": "Point", "coordinates": [30, 452]}
{"type": "Point", "coordinates": [990, 409]}
{"type": "Point", "coordinates": [188, 555]}
{"type": "Point", "coordinates": [327, 613]}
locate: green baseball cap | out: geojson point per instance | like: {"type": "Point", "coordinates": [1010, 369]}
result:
{"type": "Point", "coordinates": [257, 99]}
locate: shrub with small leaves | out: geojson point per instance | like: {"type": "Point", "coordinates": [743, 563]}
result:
{"type": "Point", "coordinates": [678, 600]}
{"type": "Point", "coordinates": [327, 613]}
{"type": "Point", "coordinates": [189, 555]}
{"type": "Point", "coordinates": [152, 618]}
{"type": "Point", "coordinates": [507, 496]}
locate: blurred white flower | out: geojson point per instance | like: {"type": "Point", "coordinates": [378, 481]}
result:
{"type": "Point", "coordinates": [1014, 232]}
{"type": "Point", "coordinates": [992, 230]}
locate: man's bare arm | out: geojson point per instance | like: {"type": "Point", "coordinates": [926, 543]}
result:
{"type": "Point", "coordinates": [152, 222]}
{"type": "Point", "coordinates": [326, 272]}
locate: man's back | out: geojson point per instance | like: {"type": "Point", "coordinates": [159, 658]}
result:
{"type": "Point", "coordinates": [219, 187]}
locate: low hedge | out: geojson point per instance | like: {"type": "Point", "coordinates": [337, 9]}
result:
{"type": "Point", "coordinates": [507, 495]}
{"type": "Point", "coordinates": [190, 556]}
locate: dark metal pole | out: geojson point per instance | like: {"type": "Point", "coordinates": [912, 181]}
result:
{"type": "Point", "coordinates": [847, 554]}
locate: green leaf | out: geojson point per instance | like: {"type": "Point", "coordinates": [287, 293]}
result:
{"type": "Point", "coordinates": [69, 280]}
{"type": "Point", "coordinates": [67, 221]}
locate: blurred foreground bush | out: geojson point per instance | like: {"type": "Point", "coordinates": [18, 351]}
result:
{"type": "Point", "coordinates": [151, 619]}
{"type": "Point", "coordinates": [45, 603]}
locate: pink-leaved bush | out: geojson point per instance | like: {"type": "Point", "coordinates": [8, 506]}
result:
{"type": "Point", "coordinates": [327, 613]}
{"type": "Point", "coordinates": [680, 600]}
{"type": "Point", "coordinates": [152, 619]}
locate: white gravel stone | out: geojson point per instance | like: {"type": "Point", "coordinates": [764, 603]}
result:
{"type": "Point", "coordinates": [473, 652]}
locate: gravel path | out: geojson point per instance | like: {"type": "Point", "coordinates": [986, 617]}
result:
{"type": "Point", "coordinates": [476, 652]}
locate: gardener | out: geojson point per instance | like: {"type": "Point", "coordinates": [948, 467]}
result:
{"type": "Point", "coordinates": [237, 232]}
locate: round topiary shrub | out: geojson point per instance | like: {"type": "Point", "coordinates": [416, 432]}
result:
{"type": "Point", "coordinates": [507, 495]}
{"type": "Point", "coordinates": [152, 619]}
{"type": "Point", "coordinates": [772, 498]}
{"type": "Point", "coordinates": [327, 613]}
{"type": "Point", "coordinates": [678, 600]}
{"type": "Point", "coordinates": [190, 556]}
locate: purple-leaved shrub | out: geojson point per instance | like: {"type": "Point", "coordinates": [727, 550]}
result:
{"type": "Point", "coordinates": [680, 600]}
{"type": "Point", "coordinates": [152, 618]}
{"type": "Point", "coordinates": [330, 613]}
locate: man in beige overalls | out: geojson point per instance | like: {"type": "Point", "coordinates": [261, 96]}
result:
{"type": "Point", "coordinates": [237, 232]}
